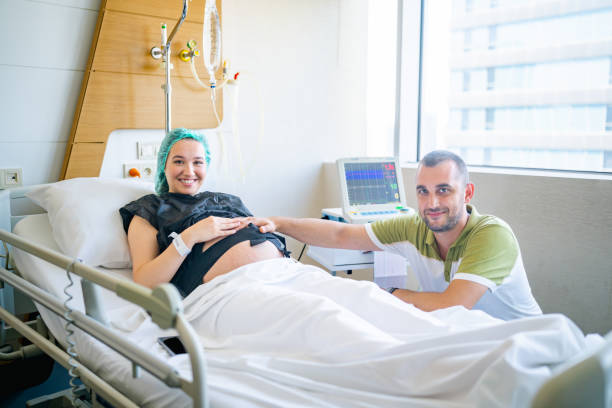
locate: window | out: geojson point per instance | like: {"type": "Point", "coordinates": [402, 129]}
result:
{"type": "Point", "coordinates": [490, 118]}
{"type": "Point", "coordinates": [469, 6]}
{"type": "Point", "coordinates": [467, 40]}
{"type": "Point", "coordinates": [466, 81]}
{"type": "Point", "coordinates": [492, 37]}
{"type": "Point", "coordinates": [490, 78]}
{"type": "Point", "coordinates": [381, 88]}
{"type": "Point", "coordinates": [513, 83]}
{"type": "Point", "coordinates": [608, 160]}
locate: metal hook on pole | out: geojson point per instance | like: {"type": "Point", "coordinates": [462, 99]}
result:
{"type": "Point", "coordinates": [165, 52]}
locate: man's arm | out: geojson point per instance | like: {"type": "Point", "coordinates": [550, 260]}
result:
{"type": "Point", "coordinates": [325, 233]}
{"type": "Point", "coordinates": [460, 292]}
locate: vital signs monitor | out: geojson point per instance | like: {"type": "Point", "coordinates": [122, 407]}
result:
{"type": "Point", "coordinates": [372, 188]}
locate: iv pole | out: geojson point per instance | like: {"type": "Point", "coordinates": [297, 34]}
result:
{"type": "Point", "coordinates": [165, 52]}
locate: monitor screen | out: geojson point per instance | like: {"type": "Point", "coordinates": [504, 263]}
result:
{"type": "Point", "coordinates": [372, 183]}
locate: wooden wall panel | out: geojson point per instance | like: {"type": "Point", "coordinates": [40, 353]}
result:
{"type": "Point", "coordinates": [121, 86]}
{"type": "Point", "coordinates": [128, 101]}
{"type": "Point", "coordinates": [132, 34]}
{"type": "Point", "coordinates": [85, 160]}
{"type": "Point", "coordinates": [162, 8]}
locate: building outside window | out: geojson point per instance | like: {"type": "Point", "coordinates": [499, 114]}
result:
{"type": "Point", "coordinates": [518, 83]}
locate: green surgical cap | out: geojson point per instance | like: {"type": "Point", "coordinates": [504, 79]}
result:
{"type": "Point", "coordinates": [161, 184]}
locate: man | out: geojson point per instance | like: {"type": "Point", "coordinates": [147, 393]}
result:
{"type": "Point", "coordinates": [459, 256]}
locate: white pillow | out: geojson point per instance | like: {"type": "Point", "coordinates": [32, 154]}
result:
{"type": "Point", "coordinates": [85, 220]}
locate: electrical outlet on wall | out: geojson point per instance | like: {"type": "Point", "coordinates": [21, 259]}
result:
{"type": "Point", "coordinates": [143, 169]}
{"type": "Point", "coordinates": [10, 178]}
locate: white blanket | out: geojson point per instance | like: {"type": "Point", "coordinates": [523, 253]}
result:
{"type": "Point", "coordinates": [297, 336]}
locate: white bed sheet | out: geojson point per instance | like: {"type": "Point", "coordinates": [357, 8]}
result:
{"type": "Point", "coordinates": [283, 334]}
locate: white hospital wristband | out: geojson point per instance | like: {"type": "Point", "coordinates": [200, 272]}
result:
{"type": "Point", "coordinates": [179, 244]}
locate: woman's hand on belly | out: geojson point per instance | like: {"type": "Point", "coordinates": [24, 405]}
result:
{"type": "Point", "coordinates": [242, 254]}
{"type": "Point", "coordinates": [210, 228]}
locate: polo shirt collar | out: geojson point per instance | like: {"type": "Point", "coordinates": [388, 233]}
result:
{"type": "Point", "coordinates": [472, 220]}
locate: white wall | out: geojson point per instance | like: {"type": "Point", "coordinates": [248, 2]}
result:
{"type": "Point", "coordinates": [43, 54]}
{"type": "Point", "coordinates": [305, 58]}
{"type": "Point", "coordinates": [564, 228]}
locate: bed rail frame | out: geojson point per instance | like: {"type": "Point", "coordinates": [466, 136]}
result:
{"type": "Point", "coordinates": [163, 303]}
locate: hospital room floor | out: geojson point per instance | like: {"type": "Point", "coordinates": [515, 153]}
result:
{"type": "Point", "coordinates": [57, 381]}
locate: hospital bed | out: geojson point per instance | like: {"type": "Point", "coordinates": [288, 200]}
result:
{"type": "Point", "coordinates": [118, 322]}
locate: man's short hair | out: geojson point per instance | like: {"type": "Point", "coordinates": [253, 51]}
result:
{"type": "Point", "coordinates": [433, 158]}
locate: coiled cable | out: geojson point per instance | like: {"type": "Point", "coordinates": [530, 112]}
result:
{"type": "Point", "coordinates": [6, 256]}
{"type": "Point", "coordinates": [71, 350]}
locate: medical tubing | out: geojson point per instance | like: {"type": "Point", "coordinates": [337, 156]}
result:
{"type": "Point", "coordinates": [69, 335]}
{"type": "Point", "coordinates": [301, 252]}
{"type": "Point", "coordinates": [224, 159]}
{"type": "Point", "coordinates": [195, 75]}
{"type": "Point", "coordinates": [213, 97]}
{"type": "Point", "coordinates": [235, 133]}
{"type": "Point", "coordinates": [260, 134]}
{"type": "Point", "coordinates": [235, 129]}
{"type": "Point", "coordinates": [6, 256]}
{"type": "Point", "coordinates": [129, 350]}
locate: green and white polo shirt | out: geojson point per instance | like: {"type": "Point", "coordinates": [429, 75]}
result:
{"type": "Point", "coordinates": [486, 252]}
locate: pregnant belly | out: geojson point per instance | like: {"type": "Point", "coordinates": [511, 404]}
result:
{"type": "Point", "coordinates": [241, 254]}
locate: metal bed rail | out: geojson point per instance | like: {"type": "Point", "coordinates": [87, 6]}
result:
{"type": "Point", "coordinates": [163, 303]}
{"type": "Point", "coordinates": [90, 379]}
